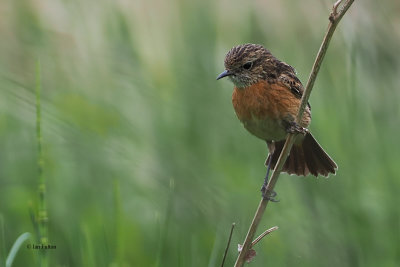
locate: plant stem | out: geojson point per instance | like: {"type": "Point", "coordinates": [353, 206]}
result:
{"type": "Point", "coordinates": [334, 19]}
{"type": "Point", "coordinates": [42, 211]}
{"type": "Point", "coordinates": [266, 232]}
{"type": "Point", "coordinates": [227, 245]}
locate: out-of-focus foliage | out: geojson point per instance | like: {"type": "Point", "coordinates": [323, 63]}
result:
{"type": "Point", "coordinates": [145, 161]}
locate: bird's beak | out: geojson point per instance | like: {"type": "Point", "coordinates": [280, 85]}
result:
{"type": "Point", "coordinates": [224, 74]}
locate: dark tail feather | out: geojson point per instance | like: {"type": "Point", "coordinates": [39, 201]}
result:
{"type": "Point", "coordinates": [305, 158]}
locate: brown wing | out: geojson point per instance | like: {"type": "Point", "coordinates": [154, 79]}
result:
{"type": "Point", "coordinates": [288, 77]}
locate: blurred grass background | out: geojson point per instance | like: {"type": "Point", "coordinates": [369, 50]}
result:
{"type": "Point", "coordinates": [144, 159]}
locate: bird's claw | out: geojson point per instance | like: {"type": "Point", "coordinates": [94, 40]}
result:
{"type": "Point", "coordinates": [295, 128]}
{"type": "Point", "coordinates": [269, 195]}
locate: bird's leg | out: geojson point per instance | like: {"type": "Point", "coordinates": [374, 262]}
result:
{"type": "Point", "coordinates": [272, 194]}
{"type": "Point", "coordinates": [267, 175]}
{"type": "Point", "coordinates": [293, 128]}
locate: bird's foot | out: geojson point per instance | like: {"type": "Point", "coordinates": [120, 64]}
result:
{"type": "Point", "coordinates": [268, 195]}
{"type": "Point", "coordinates": [295, 128]}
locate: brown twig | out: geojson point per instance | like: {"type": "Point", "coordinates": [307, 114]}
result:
{"type": "Point", "coordinates": [227, 245]}
{"type": "Point", "coordinates": [334, 19]}
{"type": "Point", "coordinates": [266, 232]}
{"type": "Point", "coordinates": [251, 253]}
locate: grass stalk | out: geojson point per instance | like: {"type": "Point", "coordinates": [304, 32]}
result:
{"type": "Point", "coordinates": [42, 217]}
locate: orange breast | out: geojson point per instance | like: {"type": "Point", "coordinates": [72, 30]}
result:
{"type": "Point", "coordinates": [264, 100]}
{"type": "Point", "coordinates": [262, 107]}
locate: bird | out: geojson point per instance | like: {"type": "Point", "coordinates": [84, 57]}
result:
{"type": "Point", "coordinates": [266, 98]}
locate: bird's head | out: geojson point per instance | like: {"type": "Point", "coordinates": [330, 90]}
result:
{"type": "Point", "coordinates": [246, 64]}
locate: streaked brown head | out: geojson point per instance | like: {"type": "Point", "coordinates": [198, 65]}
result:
{"type": "Point", "coordinates": [247, 64]}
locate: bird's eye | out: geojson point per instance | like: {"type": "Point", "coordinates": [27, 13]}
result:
{"type": "Point", "coordinates": [248, 65]}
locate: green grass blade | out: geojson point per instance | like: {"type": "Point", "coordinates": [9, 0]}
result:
{"type": "Point", "coordinates": [15, 248]}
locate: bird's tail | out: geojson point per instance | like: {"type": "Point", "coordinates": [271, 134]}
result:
{"type": "Point", "coordinates": [305, 158]}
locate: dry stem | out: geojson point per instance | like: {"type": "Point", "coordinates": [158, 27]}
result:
{"type": "Point", "coordinates": [227, 245]}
